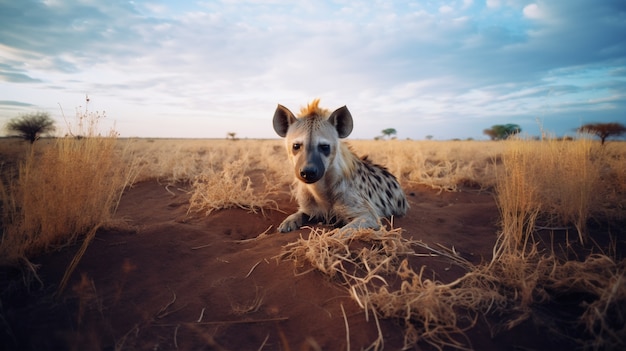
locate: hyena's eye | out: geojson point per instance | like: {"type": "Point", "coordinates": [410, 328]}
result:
{"type": "Point", "coordinates": [296, 146]}
{"type": "Point", "coordinates": [325, 149]}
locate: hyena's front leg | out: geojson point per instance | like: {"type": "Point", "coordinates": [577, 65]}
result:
{"type": "Point", "coordinates": [358, 216]}
{"type": "Point", "coordinates": [364, 222]}
{"type": "Point", "coordinates": [293, 222]}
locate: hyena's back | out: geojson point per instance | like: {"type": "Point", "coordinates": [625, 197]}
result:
{"type": "Point", "coordinates": [382, 188]}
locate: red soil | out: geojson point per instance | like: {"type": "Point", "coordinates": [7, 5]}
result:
{"type": "Point", "coordinates": [166, 280]}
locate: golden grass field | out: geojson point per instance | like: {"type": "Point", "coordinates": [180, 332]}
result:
{"type": "Point", "coordinates": [561, 204]}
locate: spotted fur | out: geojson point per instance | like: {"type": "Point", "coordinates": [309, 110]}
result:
{"type": "Point", "coordinates": [333, 184]}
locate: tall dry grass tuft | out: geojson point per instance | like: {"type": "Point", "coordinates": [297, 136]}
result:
{"type": "Point", "coordinates": [556, 183]}
{"type": "Point", "coordinates": [613, 176]}
{"type": "Point", "coordinates": [62, 191]}
{"type": "Point", "coordinates": [518, 200]}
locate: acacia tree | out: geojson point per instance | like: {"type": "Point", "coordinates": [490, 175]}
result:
{"type": "Point", "coordinates": [502, 131]}
{"type": "Point", "coordinates": [389, 132]}
{"type": "Point", "coordinates": [31, 126]}
{"type": "Point", "coordinates": [603, 130]}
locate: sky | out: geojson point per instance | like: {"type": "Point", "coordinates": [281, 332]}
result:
{"type": "Point", "coordinates": [202, 69]}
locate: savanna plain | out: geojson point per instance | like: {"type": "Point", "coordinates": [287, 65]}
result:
{"type": "Point", "coordinates": [159, 244]}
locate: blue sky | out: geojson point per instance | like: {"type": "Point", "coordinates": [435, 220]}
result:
{"type": "Point", "coordinates": [202, 69]}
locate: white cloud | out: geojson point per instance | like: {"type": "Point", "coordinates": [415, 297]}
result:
{"type": "Point", "coordinates": [446, 9]}
{"type": "Point", "coordinates": [532, 11]}
{"type": "Point", "coordinates": [493, 3]}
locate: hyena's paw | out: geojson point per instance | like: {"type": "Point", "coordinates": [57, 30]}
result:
{"type": "Point", "coordinates": [291, 223]}
{"type": "Point", "coordinates": [356, 225]}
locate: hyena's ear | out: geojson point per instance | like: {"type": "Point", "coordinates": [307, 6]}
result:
{"type": "Point", "coordinates": [283, 118]}
{"type": "Point", "coordinates": [342, 120]}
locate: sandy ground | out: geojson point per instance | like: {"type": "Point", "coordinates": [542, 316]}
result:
{"type": "Point", "coordinates": [165, 280]}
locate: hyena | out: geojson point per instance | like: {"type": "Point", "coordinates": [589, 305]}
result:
{"type": "Point", "coordinates": [333, 184]}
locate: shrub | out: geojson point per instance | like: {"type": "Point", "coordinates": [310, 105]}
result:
{"type": "Point", "coordinates": [31, 126]}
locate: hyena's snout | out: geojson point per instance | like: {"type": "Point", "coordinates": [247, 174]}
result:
{"type": "Point", "coordinates": [310, 174]}
{"type": "Point", "coordinates": [311, 171]}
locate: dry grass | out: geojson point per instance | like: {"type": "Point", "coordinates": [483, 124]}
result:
{"type": "Point", "coordinates": [528, 282]}
{"type": "Point", "coordinates": [62, 190]}
{"type": "Point", "coordinates": [369, 260]}
{"type": "Point", "coordinates": [175, 160]}
{"type": "Point", "coordinates": [252, 305]}
{"type": "Point", "coordinates": [512, 287]}
{"type": "Point", "coordinates": [441, 165]}
{"type": "Point", "coordinates": [554, 184]}
{"type": "Point", "coordinates": [550, 183]}
{"type": "Point", "coordinates": [359, 269]}
{"type": "Point", "coordinates": [231, 187]}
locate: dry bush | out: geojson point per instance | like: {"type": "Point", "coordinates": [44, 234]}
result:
{"type": "Point", "coordinates": [231, 187]}
{"type": "Point", "coordinates": [62, 191]}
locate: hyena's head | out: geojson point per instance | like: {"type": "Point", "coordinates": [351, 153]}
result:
{"type": "Point", "coordinates": [312, 138]}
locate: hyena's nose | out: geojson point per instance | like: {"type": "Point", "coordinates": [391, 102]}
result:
{"type": "Point", "coordinates": [310, 174]}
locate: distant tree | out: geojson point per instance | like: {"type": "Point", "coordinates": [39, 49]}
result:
{"type": "Point", "coordinates": [429, 137]}
{"type": "Point", "coordinates": [389, 132]}
{"type": "Point", "coordinates": [231, 135]}
{"type": "Point", "coordinates": [502, 131]}
{"type": "Point", "coordinates": [603, 130]}
{"type": "Point", "coordinates": [31, 126]}
{"type": "Point", "coordinates": [490, 133]}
